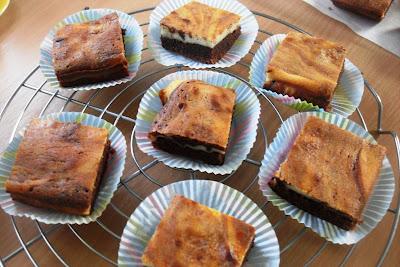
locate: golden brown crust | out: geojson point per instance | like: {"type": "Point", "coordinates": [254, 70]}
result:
{"type": "Point", "coordinates": [59, 166]}
{"type": "Point", "coordinates": [375, 9]}
{"type": "Point", "coordinates": [200, 21]}
{"type": "Point", "coordinates": [197, 111]}
{"type": "Point", "coordinates": [332, 166]}
{"type": "Point", "coordinates": [309, 64]}
{"type": "Point", "coordinates": [193, 233]}
{"type": "Point", "coordinates": [91, 48]}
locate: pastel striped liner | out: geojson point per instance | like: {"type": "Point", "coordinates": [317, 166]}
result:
{"type": "Point", "coordinates": [243, 129]}
{"type": "Point", "coordinates": [144, 220]}
{"type": "Point", "coordinates": [248, 24]}
{"type": "Point", "coordinates": [133, 41]}
{"type": "Point", "coordinates": [376, 207]}
{"type": "Point", "coordinates": [347, 96]}
{"type": "Point", "coordinates": [109, 183]}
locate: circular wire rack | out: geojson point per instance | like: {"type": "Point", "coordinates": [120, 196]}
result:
{"type": "Point", "coordinates": [106, 103]}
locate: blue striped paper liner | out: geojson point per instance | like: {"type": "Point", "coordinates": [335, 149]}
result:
{"type": "Point", "coordinates": [133, 41]}
{"type": "Point", "coordinates": [347, 96]}
{"type": "Point", "coordinates": [376, 207]}
{"type": "Point", "coordinates": [243, 130]}
{"type": "Point", "coordinates": [144, 220]}
{"type": "Point", "coordinates": [248, 24]}
{"type": "Point", "coordinates": [108, 185]}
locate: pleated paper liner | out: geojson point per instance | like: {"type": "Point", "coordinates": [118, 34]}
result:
{"type": "Point", "coordinates": [347, 96]}
{"type": "Point", "coordinates": [108, 185]}
{"type": "Point", "coordinates": [248, 24]}
{"type": "Point", "coordinates": [376, 207]}
{"type": "Point", "coordinates": [143, 222]}
{"type": "Point", "coordinates": [243, 130]}
{"type": "Point", "coordinates": [133, 41]}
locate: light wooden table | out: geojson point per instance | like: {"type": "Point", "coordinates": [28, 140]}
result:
{"type": "Point", "coordinates": [23, 27]}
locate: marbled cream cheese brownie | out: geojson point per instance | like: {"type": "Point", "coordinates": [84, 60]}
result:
{"type": "Point", "coordinates": [191, 234]}
{"type": "Point", "coordinates": [374, 9]}
{"type": "Point", "coordinates": [200, 32]}
{"type": "Point", "coordinates": [59, 166]}
{"type": "Point", "coordinates": [90, 52]}
{"type": "Point", "coordinates": [307, 68]}
{"type": "Point", "coordinates": [195, 120]}
{"type": "Point", "coordinates": [329, 172]}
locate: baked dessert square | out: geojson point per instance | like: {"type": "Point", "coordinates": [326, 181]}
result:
{"type": "Point", "coordinates": [59, 166]}
{"type": "Point", "coordinates": [374, 9]}
{"type": "Point", "coordinates": [191, 234]}
{"type": "Point", "coordinates": [330, 173]}
{"type": "Point", "coordinates": [306, 67]}
{"type": "Point", "coordinates": [90, 52]}
{"type": "Point", "coordinates": [200, 32]}
{"type": "Point", "coordinates": [195, 120]}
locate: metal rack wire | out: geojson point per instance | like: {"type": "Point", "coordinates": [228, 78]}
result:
{"type": "Point", "coordinates": [143, 169]}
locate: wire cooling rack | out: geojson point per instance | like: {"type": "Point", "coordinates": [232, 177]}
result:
{"type": "Point", "coordinates": [34, 91]}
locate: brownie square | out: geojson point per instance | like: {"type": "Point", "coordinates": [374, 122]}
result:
{"type": "Point", "coordinates": [195, 121]}
{"type": "Point", "coordinates": [330, 173]}
{"type": "Point", "coordinates": [90, 52]}
{"type": "Point", "coordinates": [59, 166]}
{"type": "Point", "coordinates": [191, 234]}
{"type": "Point", "coordinates": [200, 32]}
{"type": "Point", "coordinates": [374, 9]}
{"type": "Point", "coordinates": [307, 68]}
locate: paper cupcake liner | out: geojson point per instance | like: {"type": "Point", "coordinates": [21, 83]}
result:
{"type": "Point", "coordinates": [248, 24]}
{"type": "Point", "coordinates": [143, 222]}
{"type": "Point", "coordinates": [347, 96]}
{"type": "Point", "coordinates": [376, 207]}
{"type": "Point", "coordinates": [243, 129]}
{"type": "Point", "coordinates": [108, 185]}
{"type": "Point", "coordinates": [133, 41]}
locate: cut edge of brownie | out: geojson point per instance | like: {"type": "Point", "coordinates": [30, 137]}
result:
{"type": "Point", "coordinates": [202, 53]}
{"type": "Point", "coordinates": [363, 11]}
{"type": "Point", "coordinates": [178, 145]}
{"type": "Point", "coordinates": [251, 245]}
{"type": "Point", "coordinates": [92, 76]}
{"type": "Point", "coordinates": [279, 87]}
{"type": "Point", "coordinates": [72, 209]}
{"type": "Point", "coordinates": [84, 77]}
{"type": "Point", "coordinates": [314, 207]}
{"type": "Point", "coordinates": [100, 174]}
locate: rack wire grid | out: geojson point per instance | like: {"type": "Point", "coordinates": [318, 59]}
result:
{"type": "Point", "coordinates": [143, 174]}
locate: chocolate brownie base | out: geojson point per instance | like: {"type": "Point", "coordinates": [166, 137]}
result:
{"type": "Point", "coordinates": [201, 53]}
{"type": "Point", "coordinates": [176, 146]}
{"type": "Point", "coordinates": [92, 76]}
{"type": "Point", "coordinates": [314, 207]}
{"type": "Point", "coordinates": [63, 204]}
{"type": "Point", "coordinates": [280, 88]}
{"type": "Point", "coordinates": [376, 13]}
